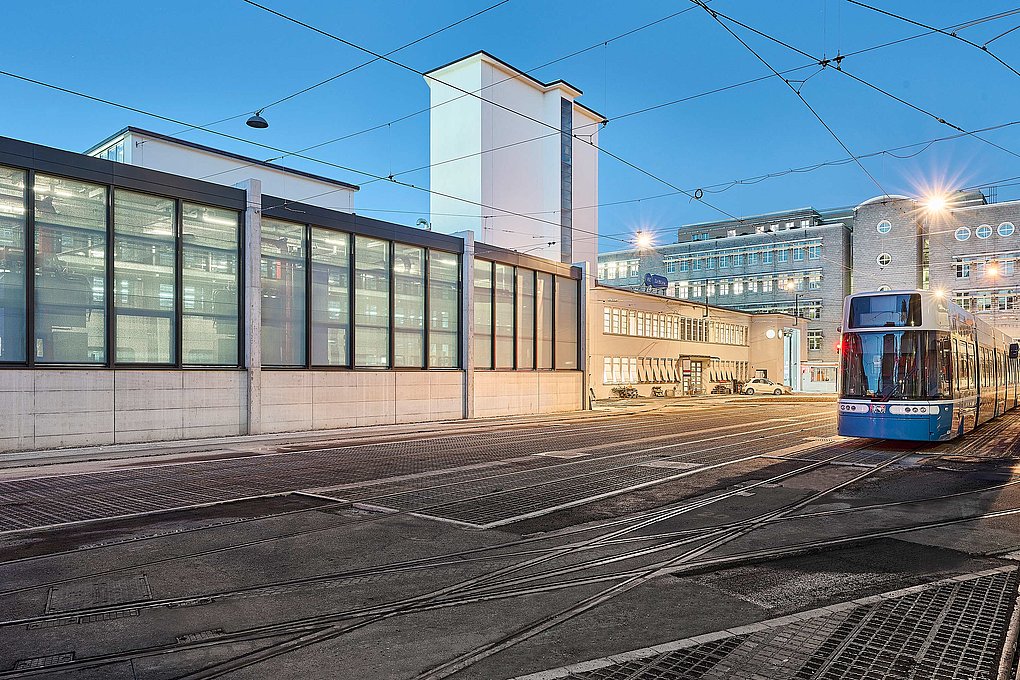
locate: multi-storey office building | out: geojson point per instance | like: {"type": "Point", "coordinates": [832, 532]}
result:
{"type": "Point", "coordinates": [138, 305]}
{"type": "Point", "coordinates": [794, 262]}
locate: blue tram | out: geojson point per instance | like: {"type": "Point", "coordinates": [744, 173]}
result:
{"type": "Point", "coordinates": [915, 366]}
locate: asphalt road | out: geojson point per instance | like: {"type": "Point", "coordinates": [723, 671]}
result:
{"type": "Point", "coordinates": [701, 539]}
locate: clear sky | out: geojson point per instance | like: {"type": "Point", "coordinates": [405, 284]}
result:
{"type": "Point", "coordinates": [201, 60]}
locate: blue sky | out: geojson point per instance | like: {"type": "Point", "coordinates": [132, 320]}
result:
{"type": "Point", "coordinates": [201, 61]}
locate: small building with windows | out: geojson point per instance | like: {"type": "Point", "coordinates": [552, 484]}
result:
{"type": "Point", "coordinates": [138, 305]}
{"type": "Point", "coordinates": [792, 262]}
{"type": "Point", "coordinates": [670, 347]}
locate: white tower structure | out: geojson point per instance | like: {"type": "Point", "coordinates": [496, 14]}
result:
{"type": "Point", "coordinates": [514, 164]}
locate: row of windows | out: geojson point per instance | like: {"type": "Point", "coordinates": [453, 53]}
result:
{"type": "Point", "coordinates": [758, 229]}
{"type": "Point", "coordinates": [618, 321]}
{"type": "Point", "coordinates": [160, 288]}
{"type": "Point", "coordinates": [751, 256]}
{"type": "Point", "coordinates": [1004, 230]}
{"type": "Point", "coordinates": [981, 267]}
{"type": "Point", "coordinates": [637, 370]}
{"type": "Point", "coordinates": [687, 290]}
{"type": "Point", "coordinates": [619, 269]}
{"type": "Point", "coordinates": [804, 309]}
{"type": "Point", "coordinates": [335, 299]}
{"type": "Point", "coordinates": [1007, 299]}
{"type": "Point", "coordinates": [524, 319]}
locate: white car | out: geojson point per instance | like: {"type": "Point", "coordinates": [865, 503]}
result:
{"type": "Point", "coordinates": [765, 386]}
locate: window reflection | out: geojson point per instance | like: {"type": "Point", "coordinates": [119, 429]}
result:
{"type": "Point", "coordinates": [331, 298]}
{"type": "Point", "coordinates": [12, 264]}
{"type": "Point", "coordinates": [70, 271]}
{"type": "Point", "coordinates": [444, 309]}
{"type": "Point", "coordinates": [210, 302]}
{"type": "Point", "coordinates": [371, 302]}
{"type": "Point", "coordinates": [283, 293]}
{"type": "Point", "coordinates": [145, 288]}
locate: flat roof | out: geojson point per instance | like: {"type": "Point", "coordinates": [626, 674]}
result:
{"type": "Point", "coordinates": [519, 73]}
{"type": "Point", "coordinates": [695, 303]}
{"type": "Point", "coordinates": [248, 160]}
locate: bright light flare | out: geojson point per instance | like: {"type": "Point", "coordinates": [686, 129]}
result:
{"type": "Point", "coordinates": [643, 239]}
{"type": "Point", "coordinates": [936, 203]}
{"type": "Point", "coordinates": [940, 293]}
{"type": "Point", "coordinates": [992, 270]}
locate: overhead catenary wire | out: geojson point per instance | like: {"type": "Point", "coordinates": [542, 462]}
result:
{"type": "Point", "coordinates": [348, 71]}
{"type": "Point", "coordinates": [796, 92]}
{"type": "Point", "coordinates": [838, 67]}
{"type": "Point", "coordinates": [491, 102]}
{"type": "Point", "coordinates": [983, 48]}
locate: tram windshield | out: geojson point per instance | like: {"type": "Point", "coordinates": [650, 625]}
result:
{"type": "Point", "coordinates": [897, 365]}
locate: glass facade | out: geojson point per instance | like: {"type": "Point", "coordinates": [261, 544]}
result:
{"type": "Point", "coordinates": [210, 281]}
{"type": "Point", "coordinates": [70, 271]}
{"type": "Point", "coordinates": [13, 263]}
{"type": "Point", "coordinates": [521, 316]}
{"type": "Point", "coordinates": [371, 302]}
{"type": "Point", "coordinates": [408, 306]}
{"type": "Point", "coordinates": [504, 301]}
{"type": "Point", "coordinates": [525, 319]}
{"type": "Point", "coordinates": [544, 316]}
{"type": "Point", "coordinates": [566, 323]}
{"type": "Point", "coordinates": [123, 277]}
{"type": "Point", "coordinates": [283, 293]}
{"type": "Point", "coordinates": [444, 310]}
{"type": "Point", "coordinates": [144, 278]}
{"type": "Point", "coordinates": [331, 298]}
{"type": "Point", "coordinates": [483, 314]}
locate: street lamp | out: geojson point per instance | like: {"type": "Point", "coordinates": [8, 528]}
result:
{"type": "Point", "coordinates": [792, 287]}
{"type": "Point", "coordinates": [992, 273]}
{"type": "Point", "coordinates": [642, 239]}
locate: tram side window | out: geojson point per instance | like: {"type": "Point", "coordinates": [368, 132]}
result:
{"type": "Point", "coordinates": [940, 368]}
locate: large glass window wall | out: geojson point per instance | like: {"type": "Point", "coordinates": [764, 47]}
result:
{"type": "Point", "coordinates": [70, 271]}
{"type": "Point", "coordinates": [284, 250]}
{"type": "Point", "coordinates": [523, 318]}
{"type": "Point", "coordinates": [13, 264]}
{"type": "Point", "coordinates": [144, 278]}
{"type": "Point", "coordinates": [210, 281]}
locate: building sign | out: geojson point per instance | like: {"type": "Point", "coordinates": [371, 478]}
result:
{"type": "Point", "coordinates": [655, 281]}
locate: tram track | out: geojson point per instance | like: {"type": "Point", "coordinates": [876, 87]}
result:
{"type": "Point", "coordinates": [305, 634]}
{"type": "Point", "coordinates": [311, 625]}
{"type": "Point", "coordinates": [379, 517]}
{"type": "Point", "coordinates": [471, 450]}
{"type": "Point", "coordinates": [302, 634]}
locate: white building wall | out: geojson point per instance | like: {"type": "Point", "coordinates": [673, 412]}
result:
{"type": "Point", "coordinates": [585, 189]}
{"type": "Point", "coordinates": [158, 154]}
{"type": "Point", "coordinates": [513, 163]}
{"type": "Point", "coordinates": [459, 137]}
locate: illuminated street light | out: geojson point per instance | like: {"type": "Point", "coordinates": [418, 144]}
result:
{"type": "Point", "coordinates": [935, 203]}
{"type": "Point", "coordinates": [791, 287]}
{"type": "Point", "coordinates": [643, 239]}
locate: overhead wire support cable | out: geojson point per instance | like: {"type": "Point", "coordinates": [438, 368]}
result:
{"type": "Point", "coordinates": [509, 109]}
{"type": "Point", "coordinates": [836, 63]}
{"type": "Point", "coordinates": [793, 89]}
{"type": "Point", "coordinates": [950, 34]}
{"type": "Point", "coordinates": [350, 70]}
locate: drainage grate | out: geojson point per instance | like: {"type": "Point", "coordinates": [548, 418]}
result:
{"type": "Point", "coordinates": [88, 594]}
{"type": "Point", "coordinates": [44, 661]}
{"type": "Point", "coordinates": [950, 630]}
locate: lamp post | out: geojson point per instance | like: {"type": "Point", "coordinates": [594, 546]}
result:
{"type": "Point", "coordinates": [992, 274]}
{"type": "Point", "coordinates": [792, 288]}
